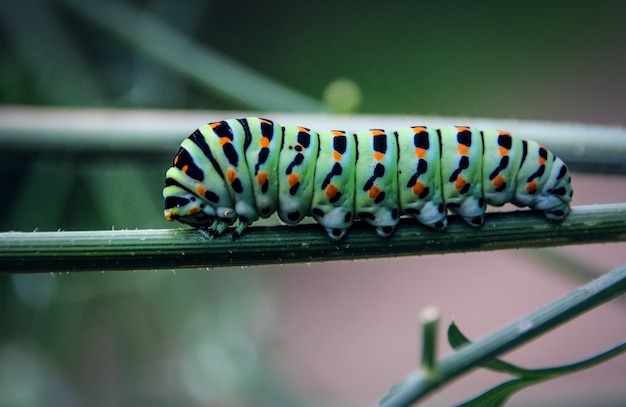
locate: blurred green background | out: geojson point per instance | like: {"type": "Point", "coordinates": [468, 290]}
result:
{"type": "Point", "coordinates": [327, 334]}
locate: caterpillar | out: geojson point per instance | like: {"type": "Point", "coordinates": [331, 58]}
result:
{"type": "Point", "coordinates": [246, 169]}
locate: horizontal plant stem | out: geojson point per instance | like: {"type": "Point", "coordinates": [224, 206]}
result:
{"type": "Point", "coordinates": [583, 299]}
{"type": "Point", "coordinates": [178, 248]}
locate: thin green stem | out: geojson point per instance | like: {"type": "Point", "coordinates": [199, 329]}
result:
{"type": "Point", "coordinates": [177, 248]}
{"type": "Point", "coordinates": [599, 291]}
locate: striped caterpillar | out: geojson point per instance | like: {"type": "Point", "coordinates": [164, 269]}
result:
{"type": "Point", "coordinates": [245, 169]}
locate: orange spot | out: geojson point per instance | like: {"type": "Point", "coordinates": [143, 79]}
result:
{"type": "Point", "coordinates": [261, 178]}
{"type": "Point", "coordinates": [541, 160]}
{"type": "Point", "coordinates": [531, 186]}
{"type": "Point", "coordinates": [265, 121]}
{"type": "Point", "coordinates": [265, 142]}
{"type": "Point", "coordinates": [463, 149]}
{"type": "Point", "coordinates": [215, 124]}
{"type": "Point", "coordinates": [418, 188]}
{"type": "Point", "coordinates": [176, 160]}
{"type": "Point", "coordinates": [498, 181]}
{"type": "Point", "coordinates": [292, 179]}
{"type": "Point", "coordinates": [420, 152]}
{"type": "Point", "coordinates": [337, 156]}
{"type": "Point", "coordinates": [338, 133]}
{"type": "Point", "coordinates": [460, 183]}
{"type": "Point", "coordinates": [418, 129]}
{"type": "Point", "coordinates": [232, 175]}
{"type": "Point", "coordinates": [185, 168]}
{"type": "Point", "coordinates": [462, 128]}
{"type": "Point", "coordinates": [374, 192]}
{"type": "Point", "coordinates": [169, 216]}
{"type": "Point", "coordinates": [224, 140]}
{"type": "Point", "coordinates": [331, 190]}
{"type": "Point", "coordinates": [193, 210]}
{"type": "Point", "coordinates": [377, 132]}
{"type": "Point", "coordinates": [201, 190]}
{"type": "Point", "coordinates": [378, 156]}
{"type": "Point", "coordinates": [303, 130]}
{"type": "Point", "coordinates": [503, 151]}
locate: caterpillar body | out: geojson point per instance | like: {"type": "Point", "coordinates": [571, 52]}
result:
{"type": "Point", "coordinates": [245, 169]}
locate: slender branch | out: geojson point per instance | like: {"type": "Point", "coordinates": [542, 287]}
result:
{"type": "Point", "coordinates": [591, 148]}
{"type": "Point", "coordinates": [418, 385]}
{"type": "Point", "coordinates": [176, 248]}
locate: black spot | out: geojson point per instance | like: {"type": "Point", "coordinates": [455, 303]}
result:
{"type": "Point", "coordinates": [294, 188]}
{"type": "Point", "coordinates": [231, 154]}
{"type": "Point", "coordinates": [412, 211]}
{"type": "Point", "coordinates": [198, 139]}
{"type": "Point", "coordinates": [394, 213]}
{"type": "Point", "coordinates": [524, 152]}
{"type": "Point", "coordinates": [335, 197]}
{"type": "Point", "coordinates": [562, 172]}
{"type": "Point", "coordinates": [421, 140]}
{"type": "Point", "coordinates": [265, 187]}
{"type": "Point", "coordinates": [380, 143]}
{"type": "Point", "coordinates": [297, 160]}
{"type": "Point", "coordinates": [465, 189]}
{"type": "Point", "coordinates": [558, 191]}
{"type": "Point", "coordinates": [304, 138]}
{"type": "Point", "coordinates": [366, 215]}
{"type": "Point", "coordinates": [481, 202]}
{"type": "Point", "coordinates": [265, 211]}
{"type": "Point", "coordinates": [543, 153]}
{"type": "Point", "coordinates": [441, 208]}
{"type": "Point", "coordinates": [464, 137]}
{"type": "Point", "coordinates": [237, 187]}
{"type": "Point", "coordinates": [263, 155]}
{"type": "Point", "coordinates": [336, 170]}
{"type": "Point", "coordinates": [340, 144]}
{"type": "Point", "coordinates": [243, 219]}
{"type": "Point", "coordinates": [387, 229]}
{"type": "Point", "coordinates": [211, 196]}
{"type": "Point", "coordinates": [184, 159]}
{"type": "Point", "coordinates": [422, 167]}
{"type": "Point", "coordinates": [337, 232]}
{"type": "Point", "coordinates": [501, 188]}
{"type": "Point", "coordinates": [505, 140]}
{"type": "Point", "coordinates": [175, 202]}
{"type": "Point", "coordinates": [317, 212]}
{"type": "Point", "coordinates": [464, 162]}
{"type": "Point", "coordinates": [347, 217]}
{"type": "Point", "coordinates": [558, 213]}
{"type": "Point", "coordinates": [425, 192]}
{"type": "Point", "coordinates": [439, 225]}
{"type": "Point", "coordinates": [293, 216]}
{"type": "Point", "coordinates": [379, 171]}
{"type": "Point", "coordinates": [477, 221]}
{"type": "Point", "coordinates": [380, 197]}
{"type": "Point", "coordinates": [538, 173]}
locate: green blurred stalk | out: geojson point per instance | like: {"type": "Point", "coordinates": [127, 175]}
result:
{"type": "Point", "coordinates": [22, 252]}
{"type": "Point", "coordinates": [585, 298]}
{"type": "Point", "coordinates": [163, 43]}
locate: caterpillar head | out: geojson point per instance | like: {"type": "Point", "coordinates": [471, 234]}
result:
{"type": "Point", "coordinates": [556, 195]}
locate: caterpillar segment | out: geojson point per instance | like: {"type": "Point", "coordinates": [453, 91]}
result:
{"type": "Point", "coordinates": [245, 169]}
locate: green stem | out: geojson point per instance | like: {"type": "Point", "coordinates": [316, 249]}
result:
{"type": "Point", "coordinates": [418, 385]}
{"type": "Point", "coordinates": [176, 248]}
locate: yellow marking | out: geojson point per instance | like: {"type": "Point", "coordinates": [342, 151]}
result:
{"type": "Point", "coordinates": [232, 175]}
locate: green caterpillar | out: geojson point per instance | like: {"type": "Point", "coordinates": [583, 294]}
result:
{"type": "Point", "coordinates": [245, 169]}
